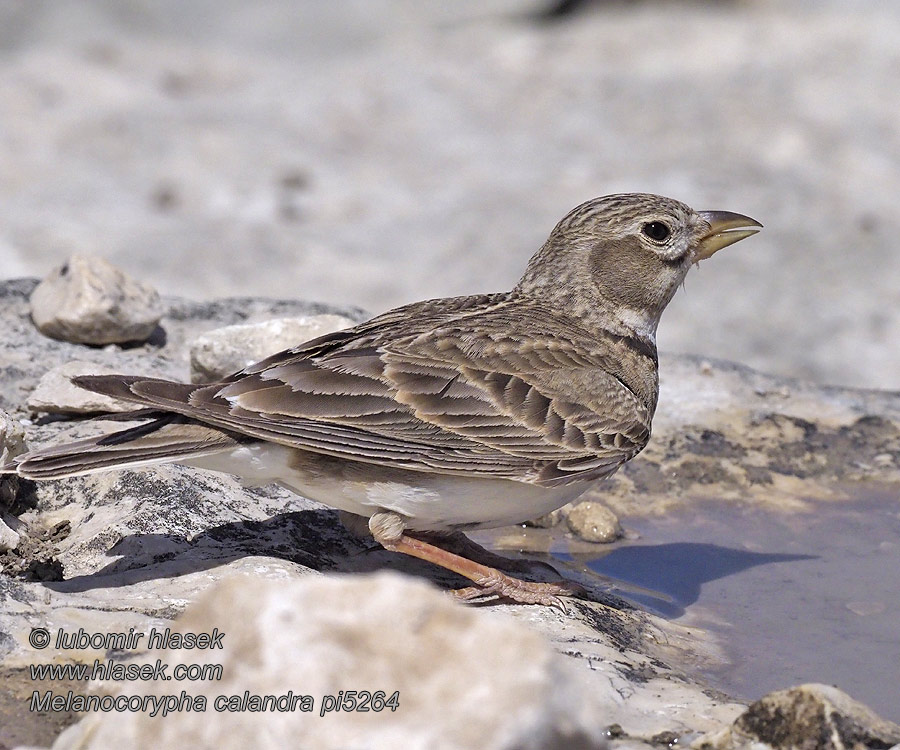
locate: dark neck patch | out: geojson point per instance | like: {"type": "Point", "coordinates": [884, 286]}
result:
{"type": "Point", "coordinates": [637, 344]}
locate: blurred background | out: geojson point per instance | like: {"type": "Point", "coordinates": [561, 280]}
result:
{"type": "Point", "coordinates": [375, 152]}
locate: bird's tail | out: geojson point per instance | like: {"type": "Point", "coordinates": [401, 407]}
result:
{"type": "Point", "coordinates": [167, 437]}
{"type": "Point", "coordinates": [160, 441]}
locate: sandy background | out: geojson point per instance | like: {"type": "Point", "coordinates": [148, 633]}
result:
{"type": "Point", "coordinates": [375, 152]}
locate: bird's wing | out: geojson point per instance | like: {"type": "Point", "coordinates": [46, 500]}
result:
{"type": "Point", "coordinates": [460, 393]}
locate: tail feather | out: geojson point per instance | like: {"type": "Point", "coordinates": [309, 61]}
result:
{"type": "Point", "coordinates": [151, 393]}
{"type": "Point", "coordinates": [160, 441]}
{"type": "Point", "coordinates": [127, 387]}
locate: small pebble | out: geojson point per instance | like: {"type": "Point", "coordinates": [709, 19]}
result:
{"type": "Point", "coordinates": [593, 522]}
{"type": "Point", "coordinates": [864, 609]}
{"type": "Point", "coordinates": [87, 300]}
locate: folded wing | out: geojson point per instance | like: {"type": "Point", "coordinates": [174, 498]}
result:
{"type": "Point", "coordinates": [455, 392]}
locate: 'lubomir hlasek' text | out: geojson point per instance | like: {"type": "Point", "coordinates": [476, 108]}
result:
{"type": "Point", "coordinates": [157, 639]}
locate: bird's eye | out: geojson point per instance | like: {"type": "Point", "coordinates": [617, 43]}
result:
{"type": "Point", "coordinates": [656, 231]}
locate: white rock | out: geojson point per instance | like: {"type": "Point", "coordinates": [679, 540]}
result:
{"type": "Point", "coordinates": [593, 522]}
{"type": "Point", "coordinates": [222, 351]}
{"type": "Point", "coordinates": [9, 539]}
{"type": "Point", "coordinates": [87, 300]}
{"type": "Point", "coordinates": [56, 393]}
{"type": "Point", "coordinates": [462, 678]}
{"type": "Point", "coordinates": [12, 443]}
{"type": "Point", "coordinates": [12, 438]}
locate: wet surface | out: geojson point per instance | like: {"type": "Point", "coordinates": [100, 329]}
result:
{"type": "Point", "coordinates": [794, 598]}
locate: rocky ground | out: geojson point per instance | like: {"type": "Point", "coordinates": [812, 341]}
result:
{"type": "Point", "coordinates": [193, 551]}
{"type": "Point", "coordinates": [383, 151]}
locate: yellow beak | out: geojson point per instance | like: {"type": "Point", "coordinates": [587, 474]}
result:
{"type": "Point", "coordinates": [725, 228]}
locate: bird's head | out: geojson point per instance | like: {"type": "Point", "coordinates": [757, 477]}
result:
{"type": "Point", "coordinates": [626, 255]}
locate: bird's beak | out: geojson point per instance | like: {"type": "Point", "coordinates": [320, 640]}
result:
{"type": "Point", "coordinates": [725, 228]}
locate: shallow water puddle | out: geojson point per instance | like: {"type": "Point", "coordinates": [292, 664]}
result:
{"type": "Point", "coordinates": [807, 597]}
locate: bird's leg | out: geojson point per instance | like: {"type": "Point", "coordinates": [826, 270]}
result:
{"type": "Point", "coordinates": [460, 544]}
{"type": "Point", "coordinates": [388, 530]}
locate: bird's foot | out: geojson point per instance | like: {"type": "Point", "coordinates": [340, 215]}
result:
{"type": "Point", "coordinates": [522, 592]}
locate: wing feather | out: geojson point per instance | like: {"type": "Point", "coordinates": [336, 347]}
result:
{"type": "Point", "coordinates": [462, 387]}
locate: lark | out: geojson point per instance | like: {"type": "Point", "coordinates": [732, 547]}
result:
{"type": "Point", "coordinates": [449, 414]}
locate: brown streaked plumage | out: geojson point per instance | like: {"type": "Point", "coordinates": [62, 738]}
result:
{"type": "Point", "coordinates": [450, 413]}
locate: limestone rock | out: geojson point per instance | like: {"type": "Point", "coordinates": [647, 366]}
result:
{"type": "Point", "coordinates": [88, 300]}
{"type": "Point", "coordinates": [807, 717]}
{"type": "Point", "coordinates": [9, 539]}
{"type": "Point", "coordinates": [12, 443]}
{"type": "Point", "coordinates": [56, 393]}
{"type": "Point", "coordinates": [222, 351]}
{"type": "Point", "coordinates": [460, 676]}
{"type": "Point", "coordinates": [593, 522]}
{"type": "Point", "coordinates": [12, 437]}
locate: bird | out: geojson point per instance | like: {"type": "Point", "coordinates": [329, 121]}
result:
{"type": "Point", "coordinates": [445, 415]}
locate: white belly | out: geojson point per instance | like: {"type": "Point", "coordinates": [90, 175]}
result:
{"type": "Point", "coordinates": [430, 502]}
